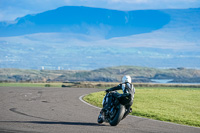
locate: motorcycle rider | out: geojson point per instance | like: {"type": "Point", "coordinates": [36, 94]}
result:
{"type": "Point", "coordinates": [127, 97]}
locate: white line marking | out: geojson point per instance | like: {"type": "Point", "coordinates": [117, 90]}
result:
{"type": "Point", "coordinates": [81, 99]}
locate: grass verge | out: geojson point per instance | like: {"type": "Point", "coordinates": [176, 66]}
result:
{"type": "Point", "coordinates": [177, 105]}
{"type": "Point", "coordinates": [30, 84]}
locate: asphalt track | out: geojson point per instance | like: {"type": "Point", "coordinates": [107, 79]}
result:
{"type": "Point", "coordinates": [60, 110]}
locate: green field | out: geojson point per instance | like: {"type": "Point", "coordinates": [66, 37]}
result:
{"type": "Point", "coordinates": [177, 105]}
{"type": "Point", "coordinates": [30, 84]}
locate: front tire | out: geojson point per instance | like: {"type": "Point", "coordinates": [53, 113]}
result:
{"type": "Point", "coordinates": [100, 118]}
{"type": "Point", "coordinates": [117, 118]}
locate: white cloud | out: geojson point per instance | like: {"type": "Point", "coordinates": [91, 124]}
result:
{"type": "Point", "coordinates": [12, 9]}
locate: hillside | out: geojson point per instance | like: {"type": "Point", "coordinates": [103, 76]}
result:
{"type": "Point", "coordinates": [110, 74]}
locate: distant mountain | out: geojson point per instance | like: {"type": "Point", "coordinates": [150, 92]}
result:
{"type": "Point", "coordinates": [89, 21]}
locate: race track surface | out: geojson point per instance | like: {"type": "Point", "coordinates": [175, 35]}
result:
{"type": "Point", "coordinates": [59, 110]}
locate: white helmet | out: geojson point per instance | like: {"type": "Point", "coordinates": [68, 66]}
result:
{"type": "Point", "coordinates": [126, 78]}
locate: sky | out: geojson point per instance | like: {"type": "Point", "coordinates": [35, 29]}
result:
{"type": "Point", "coordinates": [182, 34]}
{"type": "Point", "coordinates": [12, 9]}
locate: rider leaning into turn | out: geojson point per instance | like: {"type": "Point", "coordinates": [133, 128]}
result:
{"type": "Point", "coordinates": [127, 96]}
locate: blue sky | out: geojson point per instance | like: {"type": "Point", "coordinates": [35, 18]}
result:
{"type": "Point", "coordinates": [180, 34]}
{"type": "Point", "coordinates": [11, 9]}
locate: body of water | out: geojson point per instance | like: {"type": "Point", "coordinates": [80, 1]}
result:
{"type": "Point", "coordinates": [161, 80]}
{"type": "Point", "coordinates": [164, 81]}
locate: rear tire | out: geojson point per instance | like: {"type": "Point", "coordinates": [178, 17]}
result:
{"type": "Point", "coordinates": [117, 118]}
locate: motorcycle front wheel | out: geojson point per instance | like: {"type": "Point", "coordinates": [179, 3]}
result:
{"type": "Point", "coordinates": [100, 118]}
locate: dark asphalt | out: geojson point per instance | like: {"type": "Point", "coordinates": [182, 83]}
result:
{"type": "Point", "coordinates": [59, 110]}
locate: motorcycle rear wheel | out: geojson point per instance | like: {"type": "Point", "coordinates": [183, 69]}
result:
{"type": "Point", "coordinates": [118, 116]}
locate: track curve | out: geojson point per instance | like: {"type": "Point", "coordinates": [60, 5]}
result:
{"type": "Point", "coordinates": [51, 110]}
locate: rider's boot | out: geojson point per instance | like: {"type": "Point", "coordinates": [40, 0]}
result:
{"type": "Point", "coordinates": [130, 110]}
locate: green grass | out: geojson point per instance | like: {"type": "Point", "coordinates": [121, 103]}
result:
{"type": "Point", "coordinates": [30, 84]}
{"type": "Point", "coordinates": [177, 105]}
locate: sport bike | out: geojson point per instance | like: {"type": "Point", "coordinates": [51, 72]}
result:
{"type": "Point", "coordinates": [116, 111]}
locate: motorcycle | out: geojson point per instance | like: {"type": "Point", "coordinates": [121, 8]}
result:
{"type": "Point", "coordinates": [117, 110]}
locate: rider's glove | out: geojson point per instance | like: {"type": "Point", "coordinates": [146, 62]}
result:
{"type": "Point", "coordinates": [107, 90]}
